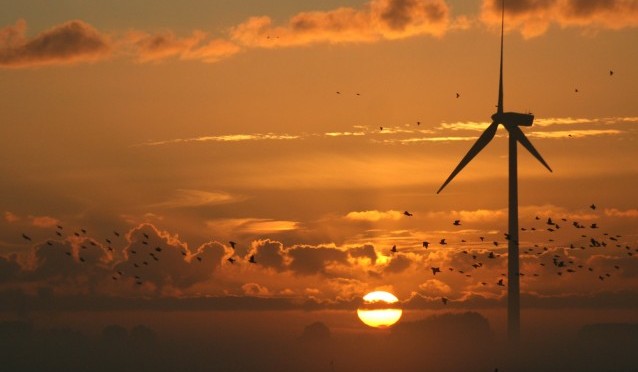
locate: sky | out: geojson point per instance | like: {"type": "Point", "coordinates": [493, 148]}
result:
{"type": "Point", "coordinates": [302, 131]}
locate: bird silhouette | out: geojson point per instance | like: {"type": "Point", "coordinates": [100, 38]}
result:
{"type": "Point", "coordinates": [232, 244]}
{"type": "Point", "coordinates": [408, 214]}
{"type": "Point", "coordinates": [442, 242]}
{"type": "Point", "coordinates": [426, 244]}
{"type": "Point", "coordinates": [231, 260]}
{"type": "Point", "coordinates": [457, 223]}
{"type": "Point", "coordinates": [611, 72]}
{"type": "Point", "coordinates": [394, 249]}
{"type": "Point", "coordinates": [252, 259]}
{"type": "Point", "coordinates": [458, 95]}
{"type": "Point", "coordinates": [592, 206]}
{"type": "Point", "coordinates": [444, 300]}
{"type": "Point", "coordinates": [26, 237]}
{"type": "Point", "coordinates": [435, 270]}
{"type": "Point", "coordinates": [500, 283]}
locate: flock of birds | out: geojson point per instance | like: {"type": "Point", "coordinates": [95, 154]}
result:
{"type": "Point", "coordinates": [477, 252]}
{"type": "Point", "coordinates": [547, 255]}
{"type": "Point", "coordinates": [142, 256]}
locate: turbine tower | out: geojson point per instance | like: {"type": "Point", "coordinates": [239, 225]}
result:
{"type": "Point", "coordinates": [512, 122]}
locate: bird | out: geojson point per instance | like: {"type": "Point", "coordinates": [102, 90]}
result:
{"type": "Point", "coordinates": [458, 95]}
{"type": "Point", "coordinates": [407, 213]}
{"type": "Point", "coordinates": [232, 244]}
{"type": "Point", "coordinates": [500, 283]}
{"type": "Point", "coordinates": [611, 72]}
{"type": "Point", "coordinates": [444, 300]}
{"type": "Point", "coordinates": [592, 206]}
{"type": "Point", "coordinates": [231, 260]}
{"type": "Point", "coordinates": [576, 90]}
{"type": "Point", "coordinates": [145, 235]}
{"type": "Point", "coordinates": [199, 259]}
{"type": "Point", "coordinates": [394, 249]}
{"type": "Point", "coordinates": [116, 233]}
{"type": "Point", "coordinates": [381, 128]}
{"type": "Point", "coordinates": [252, 259]}
{"type": "Point", "coordinates": [426, 244]}
{"type": "Point", "coordinates": [338, 92]}
{"type": "Point", "coordinates": [594, 226]}
{"type": "Point", "coordinates": [435, 270]}
{"type": "Point", "coordinates": [442, 242]}
{"type": "Point", "coordinates": [83, 231]}
{"type": "Point", "coordinates": [158, 249]}
{"type": "Point", "coordinates": [457, 223]}
{"type": "Point", "coordinates": [26, 237]}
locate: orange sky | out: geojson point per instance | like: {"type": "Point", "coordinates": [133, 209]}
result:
{"type": "Point", "coordinates": [199, 123]}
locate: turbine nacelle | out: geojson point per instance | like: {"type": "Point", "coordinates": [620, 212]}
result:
{"type": "Point", "coordinates": [513, 118]}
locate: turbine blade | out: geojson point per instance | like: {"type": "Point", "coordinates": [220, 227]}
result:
{"type": "Point", "coordinates": [516, 131]}
{"type": "Point", "coordinates": [482, 141]}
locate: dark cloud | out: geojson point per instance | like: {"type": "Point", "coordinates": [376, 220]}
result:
{"type": "Point", "coordinates": [534, 17]}
{"type": "Point", "coordinates": [400, 13]}
{"type": "Point", "coordinates": [269, 254]}
{"type": "Point", "coordinates": [308, 260]}
{"type": "Point", "coordinates": [398, 264]}
{"type": "Point", "coordinates": [73, 41]}
{"type": "Point", "coordinates": [366, 251]}
{"type": "Point", "coordinates": [9, 268]}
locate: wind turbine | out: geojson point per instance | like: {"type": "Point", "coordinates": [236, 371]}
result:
{"type": "Point", "coordinates": [512, 122]}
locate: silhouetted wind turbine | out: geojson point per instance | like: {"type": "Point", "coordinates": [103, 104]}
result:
{"type": "Point", "coordinates": [511, 121]}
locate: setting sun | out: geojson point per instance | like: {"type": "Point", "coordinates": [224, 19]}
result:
{"type": "Point", "coordinates": [378, 309]}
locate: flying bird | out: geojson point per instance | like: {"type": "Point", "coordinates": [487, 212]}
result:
{"type": "Point", "coordinates": [611, 72]}
{"type": "Point", "coordinates": [457, 223]}
{"type": "Point", "coordinates": [408, 214]}
{"type": "Point", "coordinates": [26, 237]}
{"type": "Point", "coordinates": [394, 249]}
{"type": "Point", "coordinates": [500, 283]}
{"type": "Point", "coordinates": [444, 300]}
{"type": "Point", "coordinates": [426, 244]}
{"type": "Point", "coordinates": [232, 244]}
{"type": "Point", "coordinates": [435, 270]}
{"type": "Point", "coordinates": [231, 260]}
{"type": "Point", "coordinates": [458, 95]}
{"type": "Point", "coordinates": [592, 206]}
{"type": "Point", "coordinates": [252, 259]}
{"type": "Point", "coordinates": [442, 242]}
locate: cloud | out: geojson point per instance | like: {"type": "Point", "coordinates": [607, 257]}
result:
{"type": "Point", "coordinates": [11, 217]}
{"type": "Point", "coordinates": [44, 221]}
{"type": "Point", "coordinates": [225, 138]}
{"type": "Point", "coordinates": [534, 17]}
{"type": "Point", "coordinates": [269, 254]}
{"type": "Point", "coordinates": [155, 47]}
{"type": "Point", "coordinates": [254, 289]}
{"type": "Point", "coordinates": [196, 198]}
{"type": "Point", "coordinates": [374, 215]}
{"type": "Point", "coordinates": [629, 213]}
{"type": "Point", "coordinates": [435, 287]}
{"type": "Point", "coordinates": [307, 260]}
{"type": "Point", "coordinates": [577, 133]}
{"type": "Point", "coordinates": [376, 20]}
{"type": "Point", "coordinates": [252, 225]}
{"type": "Point", "coordinates": [70, 42]}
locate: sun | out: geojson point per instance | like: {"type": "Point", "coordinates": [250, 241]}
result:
{"type": "Point", "coordinates": [378, 309]}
